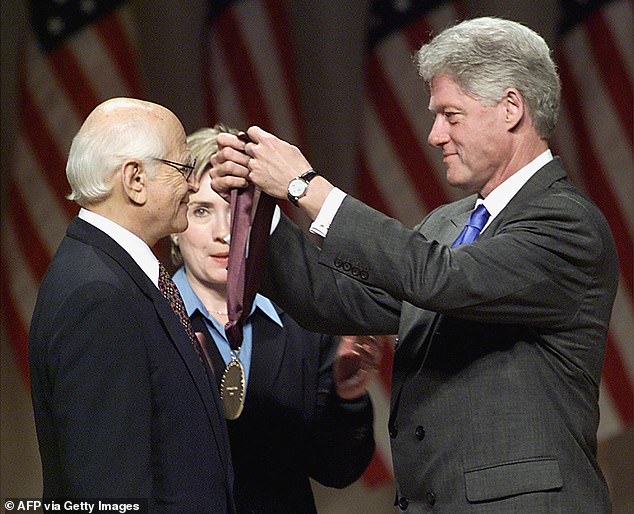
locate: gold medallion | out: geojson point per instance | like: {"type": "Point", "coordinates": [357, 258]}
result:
{"type": "Point", "coordinates": [232, 389]}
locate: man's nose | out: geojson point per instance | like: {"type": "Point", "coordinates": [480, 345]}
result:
{"type": "Point", "coordinates": [438, 135]}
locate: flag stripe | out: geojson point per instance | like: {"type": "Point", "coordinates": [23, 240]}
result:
{"type": "Point", "coordinates": [15, 331]}
{"type": "Point", "coordinates": [116, 34]}
{"type": "Point", "coordinates": [22, 285]}
{"type": "Point", "coordinates": [284, 47]}
{"type": "Point", "coordinates": [56, 111]}
{"type": "Point", "coordinates": [269, 61]}
{"type": "Point", "coordinates": [99, 65]}
{"type": "Point", "coordinates": [377, 473]}
{"type": "Point", "coordinates": [411, 158]}
{"type": "Point", "coordinates": [593, 174]}
{"type": "Point", "coordinates": [44, 209]}
{"type": "Point", "coordinates": [610, 422]}
{"type": "Point", "coordinates": [239, 66]}
{"type": "Point", "coordinates": [384, 168]}
{"type": "Point", "coordinates": [613, 73]}
{"type": "Point", "coordinates": [368, 189]}
{"type": "Point", "coordinates": [26, 238]}
{"type": "Point", "coordinates": [72, 77]}
{"type": "Point", "coordinates": [221, 97]}
{"type": "Point", "coordinates": [47, 153]}
{"type": "Point", "coordinates": [622, 326]}
{"type": "Point", "coordinates": [617, 16]}
{"type": "Point", "coordinates": [618, 382]}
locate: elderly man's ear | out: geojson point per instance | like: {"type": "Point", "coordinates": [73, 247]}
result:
{"type": "Point", "coordinates": [134, 181]}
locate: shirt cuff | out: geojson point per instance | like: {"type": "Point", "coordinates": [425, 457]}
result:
{"type": "Point", "coordinates": [275, 220]}
{"type": "Point", "coordinates": [327, 212]}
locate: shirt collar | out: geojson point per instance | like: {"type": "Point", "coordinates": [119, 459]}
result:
{"type": "Point", "coordinates": [131, 243]}
{"type": "Point", "coordinates": [193, 303]}
{"type": "Point", "coordinates": [502, 195]}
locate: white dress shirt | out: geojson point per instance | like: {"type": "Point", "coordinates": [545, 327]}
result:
{"type": "Point", "coordinates": [134, 245]}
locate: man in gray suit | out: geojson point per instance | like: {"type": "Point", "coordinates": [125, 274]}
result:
{"type": "Point", "coordinates": [501, 341]}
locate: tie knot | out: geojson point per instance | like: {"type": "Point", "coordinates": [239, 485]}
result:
{"type": "Point", "coordinates": [479, 217]}
{"type": "Point", "coordinates": [474, 226]}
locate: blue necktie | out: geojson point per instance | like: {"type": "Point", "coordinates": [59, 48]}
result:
{"type": "Point", "coordinates": [472, 229]}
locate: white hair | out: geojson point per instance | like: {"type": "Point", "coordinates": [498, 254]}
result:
{"type": "Point", "coordinates": [101, 147]}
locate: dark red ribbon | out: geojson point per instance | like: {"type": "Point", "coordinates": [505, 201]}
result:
{"type": "Point", "coordinates": [244, 272]}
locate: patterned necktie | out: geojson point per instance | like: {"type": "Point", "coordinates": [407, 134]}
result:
{"type": "Point", "coordinates": [170, 292]}
{"type": "Point", "coordinates": [472, 229]}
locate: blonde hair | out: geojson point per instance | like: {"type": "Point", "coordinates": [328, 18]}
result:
{"type": "Point", "coordinates": [202, 145]}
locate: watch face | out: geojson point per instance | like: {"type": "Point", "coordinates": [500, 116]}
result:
{"type": "Point", "coordinates": [297, 187]}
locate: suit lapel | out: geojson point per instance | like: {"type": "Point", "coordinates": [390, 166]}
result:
{"type": "Point", "coordinates": [417, 325]}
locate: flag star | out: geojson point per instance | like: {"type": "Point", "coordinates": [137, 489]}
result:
{"type": "Point", "coordinates": [88, 6]}
{"type": "Point", "coordinates": [402, 6]}
{"type": "Point", "coordinates": [55, 25]}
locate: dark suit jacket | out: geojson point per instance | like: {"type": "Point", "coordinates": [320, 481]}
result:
{"type": "Point", "coordinates": [123, 408]}
{"type": "Point", "coordinates": [496, 376]}
{"type": "Point", "coordinates": [293, 425]}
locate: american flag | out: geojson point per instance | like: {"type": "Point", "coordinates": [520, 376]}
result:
{"type": "Point", "coordinates": [594, 138]}
{"type": "Point", "coordinates": [393, 148]}
{"type": "Point", "coordinates": [401, 175]}
{"type": "Point", "coordinates": [75, 55]}
{"type": "Point", "coordinates": [249, 73]}
{"type": "Point", "coordinates": [248, 70]}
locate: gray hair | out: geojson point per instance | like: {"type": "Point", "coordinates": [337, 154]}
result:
{"type": "Point", "coordinates": [98, 150]}
{"type": "Point", "coordinates": [486, 56]}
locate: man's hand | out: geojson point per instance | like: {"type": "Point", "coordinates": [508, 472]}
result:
{"type": "Point", "coordinates": [356, 363]}
{"type": "Point", "coordinates": [267, 161]}
{"type": "Point", "coordinates": [229, 165]}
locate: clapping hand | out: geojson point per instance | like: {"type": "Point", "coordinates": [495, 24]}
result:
{"type": "Point", "coordinates": [356, 363]}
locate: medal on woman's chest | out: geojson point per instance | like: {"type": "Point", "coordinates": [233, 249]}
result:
{"type": "Point", "coordinates": [232, 388]}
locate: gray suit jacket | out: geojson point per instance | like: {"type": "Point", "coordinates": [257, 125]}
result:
{"type": "Point", "coordinates": [501, 342]}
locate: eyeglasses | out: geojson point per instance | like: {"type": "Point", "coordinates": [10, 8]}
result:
{"type": "Point", "coordinates": [184, 169]}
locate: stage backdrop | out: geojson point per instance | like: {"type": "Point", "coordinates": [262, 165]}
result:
{"type": "Point", "coordinates": [337, 79]}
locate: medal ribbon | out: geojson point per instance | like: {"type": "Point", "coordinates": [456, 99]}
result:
{"type": "Point", "coordinates": [247, 252]}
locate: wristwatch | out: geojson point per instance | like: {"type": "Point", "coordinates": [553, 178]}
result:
{"type": "Point", "coordinates": [299, 185]}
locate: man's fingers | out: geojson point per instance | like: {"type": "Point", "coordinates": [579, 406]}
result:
{"type": "Point", "coordinates": [226, 140]}
{"type": "Point", "coordinates": [229, 161]}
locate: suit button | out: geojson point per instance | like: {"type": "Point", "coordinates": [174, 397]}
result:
{"type": "Point", "coordinates": [364, 275]}
{"type": "Point", "coordinates": [393, 432]}
{"type": "Point", "coordinates": [431, 498]}
{"type": "Point", "coordinates": [403, 503]}
{"type": "Point", "coordinates": [338, 263]}
{"type": "Point", "coordinates": [355, 271]}
{"type": "Point", "coordinates": [347, 266]}
{"type": "Point", "coordinates": [420, 433]}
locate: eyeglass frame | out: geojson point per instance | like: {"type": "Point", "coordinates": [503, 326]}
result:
{"type": "Point", "coordinates": [185, 170]}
